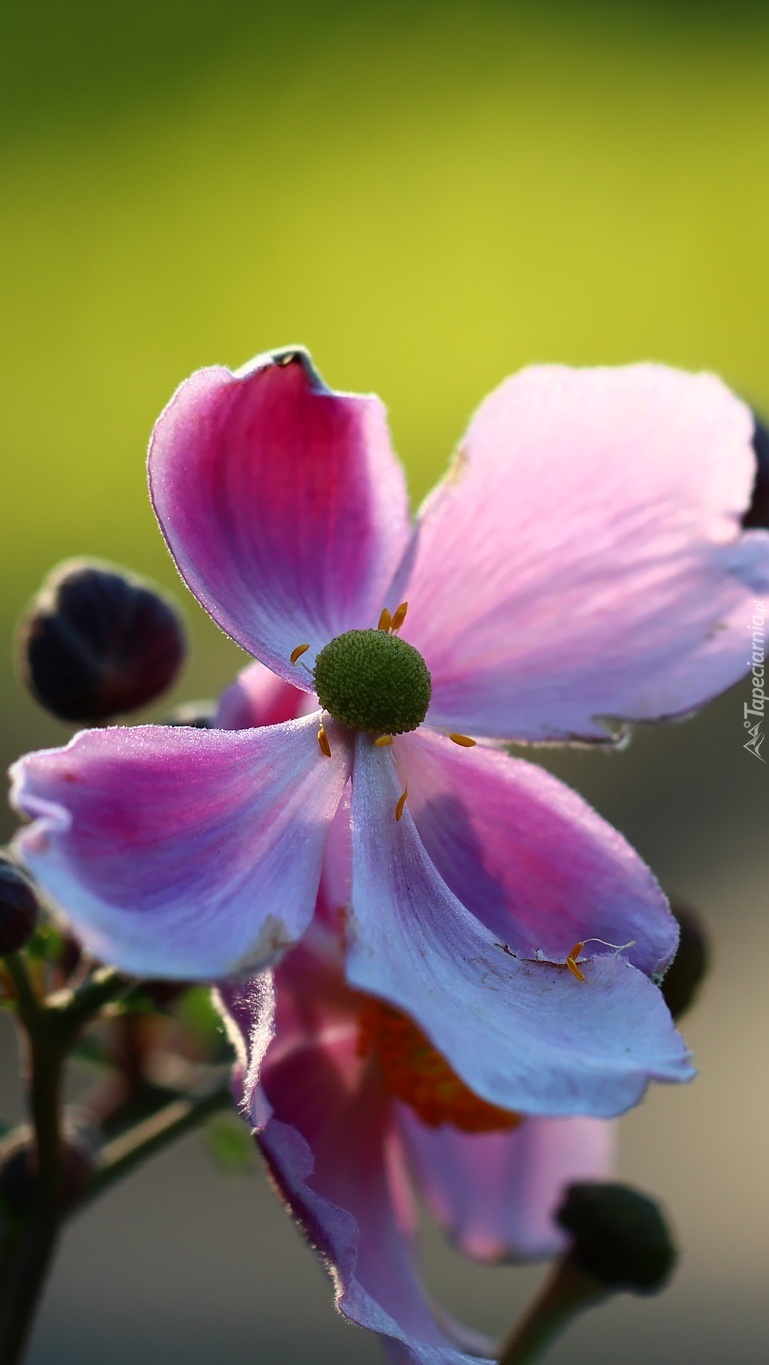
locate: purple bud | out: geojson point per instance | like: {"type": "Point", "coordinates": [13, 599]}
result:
{"type": "Point", "coordinates": [97, 642]}
{"type": "Point", "coordinates": [200, 715]}
{"type": "Point", "coordinates": [691, 963]}
{"type": "Point", "coordinates": [619, 1237]}
{"type": "Point", "coordinates": [19, 906]}
{"type": "Point", "coordinates": [18, 1169]}
{"type": "Point", "coordinates": [758, 511]}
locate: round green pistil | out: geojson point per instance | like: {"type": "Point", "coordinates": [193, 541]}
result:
{"type": "Point", "coordinates": [370, 680]}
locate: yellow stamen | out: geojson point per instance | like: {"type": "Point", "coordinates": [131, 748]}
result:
{"type": "Point", "coordinates": [571, 962]}
{"type": "Point", "coordinates": [464, 741]}
{"type": "Point", "coordinates": [298, 652]}
{"type": "Point", "coordinates": [385, 620]}
{"type": "Point", "coordinates": [323, 744]}
{"type": "Point", "coordinates": [401, 803]}
{"type": "Point", "coordinates": [383, 741]}
{"type": "Point", "coordinates": [399, 616]}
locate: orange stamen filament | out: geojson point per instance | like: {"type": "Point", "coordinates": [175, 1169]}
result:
{"type": "Point", "coordinates": [297, 653]}
{"type": "Point", "coordinates": [464, 741]}
{"type": "Point", "coordinates": [416, 1073]}
{"type": "Point", "coordinates": [399, 616]}
{"type": "Point", "coordinates": [323, 744]}
{"type": "Point", "coordinates": [571, 961]}
{"type": "Point", "coordinates": [385, 620]}
{"type": "Point", "coordinates": [400, 803]}
{"type": "Point", "coordinates": [383, 741]}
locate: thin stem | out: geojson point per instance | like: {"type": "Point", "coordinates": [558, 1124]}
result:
{"type": "Point", "coordinates": [152, 1136]}
{"type": "Point", "coordinates": [51, 1027]}
{"type": "Point", "coordinates": [16, 967]}
{"type": "Point", "coordinates": [34, 1245]}
{"type": "Point", "coordinates": [566, 1293]}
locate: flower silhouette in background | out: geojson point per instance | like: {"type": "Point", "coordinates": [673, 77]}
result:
{"type": "Point", "coordinates": [581, 567]}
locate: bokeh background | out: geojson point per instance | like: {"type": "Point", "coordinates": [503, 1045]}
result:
{"type": "Point", "coordinates": [429, 196]}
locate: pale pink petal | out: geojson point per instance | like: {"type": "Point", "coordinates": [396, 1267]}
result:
{"type": "Point", "coordinates": [523, 1034]}
{"type": "Point", "coordinates": [529, 857]}
{"type": "Point", "coordinates": [178, 852]}
{"type": "Point", "coordinates": [259, 697]}
{"type": "Point", "coordinates": [584, 558]}
{"type": "Point", "coordinates": [282, 504]}
{"type": "Point", "coordinates": [495, 1194]}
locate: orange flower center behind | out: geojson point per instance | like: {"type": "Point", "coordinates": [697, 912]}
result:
{"type": "Point", "coordinates": [416, 1073]}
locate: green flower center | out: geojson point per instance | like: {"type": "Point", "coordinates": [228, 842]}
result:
{"type": "Point", "coordinates": [371, 680]}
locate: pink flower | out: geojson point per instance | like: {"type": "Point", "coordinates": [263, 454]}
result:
{"type": "Point", "coordinates": [582, 562]}
{"type": "Point", "coordinates": [355, 1114]}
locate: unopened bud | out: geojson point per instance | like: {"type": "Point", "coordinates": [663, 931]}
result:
{"type": "Point", "coordinates": [97, 642]}
{"type": "Point", "coordinates": [198, 714]}
{"type": "Point", "coordinates": [619, 1237]}
{"type": "Point", "coordinates": [690, 965]}
{"type": "Point", "coordinates": [19, 907]}
{"type": "Point", "coordinates": [18, 1169]}
{"type": "Point", "coordinates": [758, 511]}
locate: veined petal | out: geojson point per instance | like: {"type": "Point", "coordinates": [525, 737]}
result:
{"type": "Point", "coordinates": [183, 853]}
{"type": "Point", "coordinates": [282, 504]}
{"type": "Point", "coordinates": [584, 559]}
{"type": "Point", "coordinates": [495, 1194]}
{"type": "Point", "coordinates": [259, 697]}
{"type": "Point", "coordinates": [336, 1157]}
{"type": "Point", "coordinates": [529, 858]}
{"type": "Point", "coordinates": [523, 1034]}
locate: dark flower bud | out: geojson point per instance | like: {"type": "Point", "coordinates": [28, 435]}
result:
{"type": "Point", "coordinates": [199, 714]}
{"type": "Point", "coordinates": [620, 1237]}
{"type": "Point", "coordinates": [97, 642]}
{"type": "Point", "coordinates": [18, 1169]}
{"type": "Point", "coordinates": [758, 511]}
{"type": "Point", "coordinates": [690, 965]}
{"type": "Point", "coordinates": [19, 907]}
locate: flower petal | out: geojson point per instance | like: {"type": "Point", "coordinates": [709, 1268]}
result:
{"type": "Point", "coordinates": [282, 504]}
{"type": "Point", "coordinates": [584, 558]}
{"type": "Point", "coordinates": [179, 852]}
{"type": "Point", "coordinates": [337, 1161]}
{"type": "Point", "coordinates": [495, 1194]}
{"type": "Point", "coordinates": [529, 857]}
{"type": "Point", "coordinates": [259, 697]}
{"type": "Point", "coordinates": [524, 1035]}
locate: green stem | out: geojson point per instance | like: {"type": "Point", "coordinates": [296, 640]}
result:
{"type": "Point", "coordinates": [152, 1136]}
{"type": "Point", "coordinates": [32, 1246]}
{"type": "Point", "coordinates": [51, 1027]}
{"type": "Point", "coordinates": [29, 1005]}
{"type": "Point", "coordinates": [567, 1292]}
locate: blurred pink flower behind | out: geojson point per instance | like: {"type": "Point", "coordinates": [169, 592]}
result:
{"type": "Point", "coordinates": [322, 1077]}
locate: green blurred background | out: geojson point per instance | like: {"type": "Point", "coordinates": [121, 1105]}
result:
{"type": "Point", "coordinates": [428, 196]}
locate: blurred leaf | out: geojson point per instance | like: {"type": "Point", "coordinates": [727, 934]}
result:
{"type": "Point", "coordinates": [196, 1012]}
{"type": "Point", "coordinates": [231, 1145]}
{"type": "Point", "coordinates": [46, 943]}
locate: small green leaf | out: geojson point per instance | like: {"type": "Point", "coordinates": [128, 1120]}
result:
{"type": "Point", "coordinates": [231, 1145]}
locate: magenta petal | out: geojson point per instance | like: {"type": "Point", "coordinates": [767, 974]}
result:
{"type": "Point", "coordinates": [584, 557]}
{"type": "Point", "coordinates": [282, 504]}
{"type": "Point", "coordinates": [259, 697]}
{"type": "Point", "coordinates": [177, 852]}
{"type": "Point", "coordinates": [337, 1159]}
{"type": "Point", "coordinates": [523, 1034]}
{"type": "Point", "coordinates": [495, 1194]}
{"type": "Point", "coordinates": [529, 857]}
